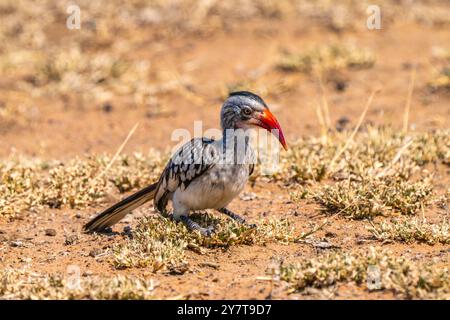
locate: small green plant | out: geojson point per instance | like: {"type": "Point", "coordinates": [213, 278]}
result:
{"type": "Point", "coordinates": [373, 197]}
{"type": "Point", "coordinates": [375, 152]}
{"type": "Point", "coordinates": [22, 284]}
{"type": "Point", "coordinates": [327, 59]}
{"type": "Point", "coordinates": [399, 275]}
{"type": "Point", "coordinates": [441, 80]}
{"type": "Point", "coordinates": [34, 184]}
{"type": "Point", "coordinates": [412, 230]}
{"type": "Point", "coordinates": [160, 243]}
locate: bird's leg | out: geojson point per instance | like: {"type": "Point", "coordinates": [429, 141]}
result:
{"type": "Point", "coordinates": [194, 226]}
{"type": "Point", "coordinates": [235, 216]}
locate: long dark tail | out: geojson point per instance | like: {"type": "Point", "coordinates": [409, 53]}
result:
{"type": "Point", "coordinates": [118, 211]}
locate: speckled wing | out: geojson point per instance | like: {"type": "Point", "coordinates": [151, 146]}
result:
{"type": "Point", "coordinates": [192, 160]}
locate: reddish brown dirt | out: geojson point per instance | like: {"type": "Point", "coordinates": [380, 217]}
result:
{"type": "Point", "coordinates": [64, 129]}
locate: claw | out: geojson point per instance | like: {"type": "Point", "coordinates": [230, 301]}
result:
{"type": "Point", "coordinates": [207, 232]}
{"type": "Point", "coordinates": [193, 226]}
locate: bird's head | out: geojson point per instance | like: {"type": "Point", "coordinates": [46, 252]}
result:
{"type": "Point", "coordinates": [244, 110]}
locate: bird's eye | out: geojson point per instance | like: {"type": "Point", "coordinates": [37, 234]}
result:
{"type": "Point", "coordinates": [247, 111]}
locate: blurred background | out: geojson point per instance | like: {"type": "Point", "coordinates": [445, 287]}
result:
{"type": "Point", "coordinates": [68, 89]}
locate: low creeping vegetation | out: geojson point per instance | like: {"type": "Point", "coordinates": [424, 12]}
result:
{"type": "Point", "coordinates": [441, 80]}
{"type": "Point", "coordinates": [328, 58]}
{"type": "Point", "coordinates": [31, 185]}
{"type": "Point", "coordinates": [22, 284]}
{"type": "Point", "coordinates": [402, 276]}
{"type": "Point", "coordinates": [377, 157]}
{"type": "Point", "coordinates": [372, 152]}
{"type": "Point", "coordinates": [441, 76]}
{"type": "Point", "coordinates": [160, 243]}
{"type": "Point", "coordinates": [412, 230]}
{"type": "Point", "coordinates": [15, 114]}
{"type": "Point", "coordinates": [381, 171]}
{"type": "Point", "coordinates": [371, 197]}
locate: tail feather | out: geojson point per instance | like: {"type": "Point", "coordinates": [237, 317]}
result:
{"type": "Point", "coordinates": [118, 211]}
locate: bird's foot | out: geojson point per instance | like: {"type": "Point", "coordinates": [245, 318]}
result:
{"type": "Point", "coordinates": [194, 226]}
{"type": "Point", "coordinates": [236, 217]}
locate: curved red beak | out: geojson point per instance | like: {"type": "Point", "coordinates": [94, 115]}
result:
{"type": "Point", "coordinates": [270, 123]}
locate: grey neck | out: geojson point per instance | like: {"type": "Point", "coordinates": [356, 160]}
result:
{"type": "Point", "coordinates": [236, 146]}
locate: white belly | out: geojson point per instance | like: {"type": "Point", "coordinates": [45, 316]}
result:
{"type": "Point", "coordinates": [213, 190]}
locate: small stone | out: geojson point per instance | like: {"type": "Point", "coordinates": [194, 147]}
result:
{"type": "Point", "coordinates": [107, 107]}
{"type": "Point", "coordinates": [16, 244]}
{"type": "Point", "coordinates": [342, 123]}
{"type": "Point", "coordinates": [25, 259]}
{"type": "Point", "coordinates": [50, 232]}
{"type": "Point", "coordinates": [127, 229]}
{"type": "Point", "coordinates": [323, 245]}
{"type": "Point", "coordinates": [340, 85]}
{"type": "Point", "coordinates": [248, 196]}
{"type": "Point", "coordinates": [210, 264]}
{"type": "Point", "coordinates": [407, 65]}
{"type": "Point", "coordinates": [87, 273]}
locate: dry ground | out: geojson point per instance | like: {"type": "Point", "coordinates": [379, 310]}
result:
{"type": "Point", "coordinates": [67, 95]}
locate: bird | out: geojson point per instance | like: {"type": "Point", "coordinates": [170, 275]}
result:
{"type": "Point", "coordinates": [204, 173]}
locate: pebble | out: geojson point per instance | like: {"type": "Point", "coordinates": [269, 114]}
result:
{"type": "Point", "coordinates": [127, 229]}
{"type": "Point", "coordinates": [210, 264]}
{"type": "Point", "coordinates": [340, 85]}
{"type": "Point", "coordinates": [16, 244]}
{"type": "Point", "coordinates": [248, 196]}
{"type": "Point", "coordinates": [107, 107]}
{"type": "Point", "coordinates": [342, 123]}
{"type": "Point", "coordinates": [50, 232]}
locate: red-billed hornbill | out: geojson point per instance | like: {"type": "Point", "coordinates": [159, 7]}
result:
{"type": "Point", "coordinates": [204, 173]}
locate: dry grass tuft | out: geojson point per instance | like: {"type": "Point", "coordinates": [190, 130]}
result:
{"type": "Point", "coordinates": [327, 59]}
{"type": "Point", "coordinates": [98, 76]}
{"type": "Point", "coordinates": [399, 275]}
{"type": "Point", "coordinates": [372, 197]}
{"type": "Point", "coordinates": [412, 230]}
{"type": "Point", "coordinates": [441, 77]}
{"type": "Point", "coordinates": [156, 243]}
{"type": "Point", "coordinates": [25, 285]}
{"type": "Point", "coordinates": [33, 184]}
{"type": "Point", "coordinates": [96, 62]}
{"type": "Point", "coordinates": [377, 173]}
{"type": "Point", "coordinates": [15, 114]}
{"type": "Point", "coordinates": [160, 243]}
{"type": "Point", "coordinates": [372, 152]}
{"type": "Point", "coordinates": [441, 80]}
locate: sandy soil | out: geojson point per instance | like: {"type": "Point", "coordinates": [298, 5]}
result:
{"type": "Point", "coordinates": [64, 128]}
